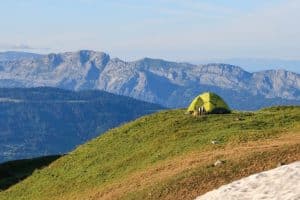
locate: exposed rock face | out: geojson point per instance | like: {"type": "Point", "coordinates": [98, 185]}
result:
{"type": "Point", "coordinates": [168, 83]}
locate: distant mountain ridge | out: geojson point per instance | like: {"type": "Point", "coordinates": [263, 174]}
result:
{"type": "Point", "coordinates": [256, 64]}
{"type": "Point", "coordinates": [167, 83]}
{"type": "Point", "coordinates": [16, 55]}
{"type": "Point", "coordinates": [47, 121]}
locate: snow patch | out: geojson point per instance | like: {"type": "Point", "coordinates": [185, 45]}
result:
{"type": "Point", "coordinates": [276, 184]}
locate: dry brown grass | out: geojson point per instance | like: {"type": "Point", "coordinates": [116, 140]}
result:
{"type": "Point", "coordinates": [192, 186]}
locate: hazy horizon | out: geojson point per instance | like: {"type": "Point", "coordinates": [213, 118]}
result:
{"type": "Point", "coordinates": [177, 30]}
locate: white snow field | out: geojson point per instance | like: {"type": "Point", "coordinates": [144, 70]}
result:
{"type": "Point", "coordinates": [282, 183]}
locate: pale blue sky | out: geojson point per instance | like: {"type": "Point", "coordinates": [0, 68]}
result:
{"type": "Point", "coordinates": [181, 30]}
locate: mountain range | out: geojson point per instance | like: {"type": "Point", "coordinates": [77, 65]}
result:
{"type": "Point", "coordinates": [45, 121]}
{"type": "Point", "coordinates": [167, 83]}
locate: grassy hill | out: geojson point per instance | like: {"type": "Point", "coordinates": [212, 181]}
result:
{"type": "Point", "coordinates": [168, 155]}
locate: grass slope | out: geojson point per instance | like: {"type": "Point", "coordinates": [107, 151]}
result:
{"type": "Point", "coordinates": [168, 155]}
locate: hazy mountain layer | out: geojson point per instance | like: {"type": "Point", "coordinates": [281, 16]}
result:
{"type": "Point", "coordinates": [45, 121]}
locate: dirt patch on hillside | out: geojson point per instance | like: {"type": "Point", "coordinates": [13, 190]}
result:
{"type": "Point", "coordinates": [200, 182]}
{"type": "Point", "coordinates": [284, 148]}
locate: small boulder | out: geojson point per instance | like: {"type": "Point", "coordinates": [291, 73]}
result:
{"type": "Point", "coordinates": [280, 164]}
{"type": "Point", "coordinates": [219, 162]}
{"type": "Point", "coordinates": [214, 142]}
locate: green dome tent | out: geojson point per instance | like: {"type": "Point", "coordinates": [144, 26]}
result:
{"type": "Point", "coordinates": [210, 102]}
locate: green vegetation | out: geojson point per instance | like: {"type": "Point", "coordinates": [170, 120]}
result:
{"type": "Point", "coordinates": [146, 143]}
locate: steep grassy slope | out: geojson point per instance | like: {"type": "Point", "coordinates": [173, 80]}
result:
{"type": "Point", "coordinates": [168, 155]}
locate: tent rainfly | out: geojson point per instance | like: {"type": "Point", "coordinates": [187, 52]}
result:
{"type": "Point", "coordinates": [208, 103]}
